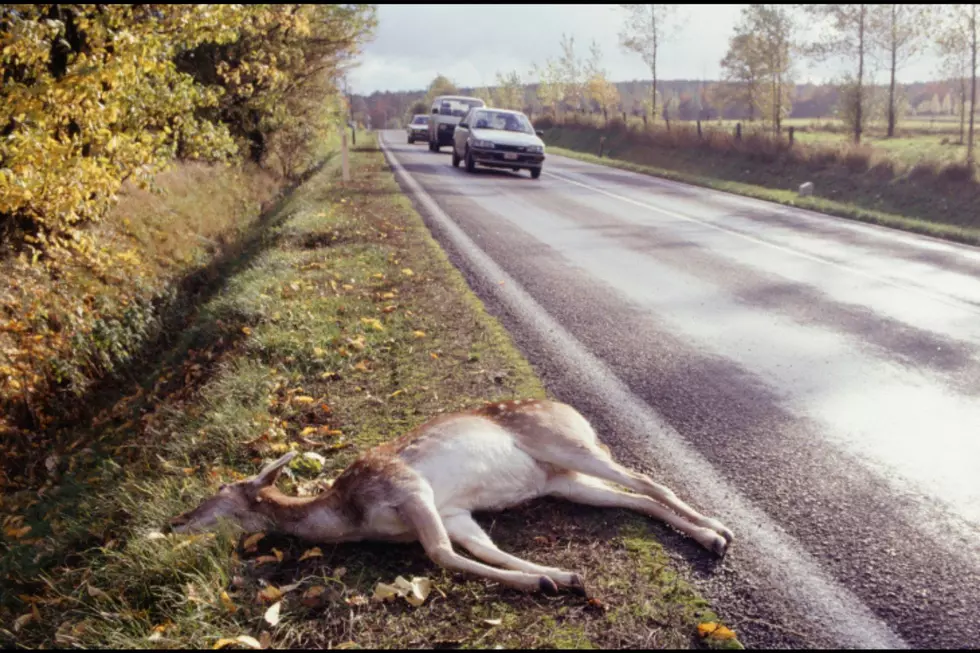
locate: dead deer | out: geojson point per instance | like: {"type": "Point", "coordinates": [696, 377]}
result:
{"type": "Point", "coordinates": [425, 485]}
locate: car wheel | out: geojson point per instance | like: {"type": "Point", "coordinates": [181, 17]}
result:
{"type": "Point", "coordinates": [432, 146]}
{"type": "Point", "coordinates": [455, 158]}
{"type": "Point", "coordinates": [470, 164]}
{"type": "Point", "coordinates": [535, 173]}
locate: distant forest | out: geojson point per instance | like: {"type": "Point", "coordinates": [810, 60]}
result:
{"type": "Point", "coordinates": [689, 100]}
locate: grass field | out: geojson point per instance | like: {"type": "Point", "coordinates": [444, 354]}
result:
{"type": "Point", "coordinates": [340, 324]}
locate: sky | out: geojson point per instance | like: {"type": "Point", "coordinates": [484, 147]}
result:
{"type": "Point", "coordinates": [470, 43]}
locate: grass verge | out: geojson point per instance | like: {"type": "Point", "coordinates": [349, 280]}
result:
{"type": "Point", "coordinates": [343, 325]}
{"type": "Point", "coordinates": [713, 175]}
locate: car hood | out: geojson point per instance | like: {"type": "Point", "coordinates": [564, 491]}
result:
{"type": "Point", "coordinates": [507, 138]}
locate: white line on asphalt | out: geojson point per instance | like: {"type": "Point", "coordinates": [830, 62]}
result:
{"type": "Point", "coordinates": [825, 603]}
{"type": "Point", "coordinates": [950, 301]}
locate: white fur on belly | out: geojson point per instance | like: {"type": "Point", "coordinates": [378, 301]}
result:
{"type": "Point", "coordinates": [474, 464]}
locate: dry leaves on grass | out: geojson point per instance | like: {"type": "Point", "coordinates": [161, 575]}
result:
{"type": "Point", "coordinates": [415, 592]}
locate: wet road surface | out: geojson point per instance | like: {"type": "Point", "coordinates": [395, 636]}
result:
{"type": "Point", "coordinates": [811, 381]}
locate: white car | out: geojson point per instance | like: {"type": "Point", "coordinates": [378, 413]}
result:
{"type": "Point", "coordinates": [447, 110]}
{"type": "Point", "coordinates": [418, 129]}
{"type": "Point", "coordinates": [498, 138]}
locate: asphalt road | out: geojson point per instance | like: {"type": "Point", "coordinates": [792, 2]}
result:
{"type": "Point", "coordinates": [811, 381]}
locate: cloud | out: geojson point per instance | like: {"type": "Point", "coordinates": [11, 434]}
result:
{"type": "Point", "coordinates": [471, 43]}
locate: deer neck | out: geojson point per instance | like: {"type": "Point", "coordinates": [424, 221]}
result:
{"type": "Point", "coordinates": [320, 518]}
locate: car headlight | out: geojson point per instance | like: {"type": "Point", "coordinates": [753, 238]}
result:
{"type": "Point", "coordinates": [488, 145]}
{"type": "Point", "coordinates": [535, 149]}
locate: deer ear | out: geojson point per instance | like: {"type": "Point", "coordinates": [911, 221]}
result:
{"type": "Point", "coordinates": [269, 475]}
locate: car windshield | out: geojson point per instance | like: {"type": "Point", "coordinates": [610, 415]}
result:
{"type": "Point", "coordinates": [421, 120]}
{"type": "Point", "coordinates": [458, 108]}
{"type": "Point", "coordinates": [502, 120]}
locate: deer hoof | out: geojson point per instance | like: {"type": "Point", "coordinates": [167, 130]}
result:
{"type": "Point", "coordinates": [547, 586]}
{"type": "Point", "coordinates": [578, 587]}
{"type": "Point", "coordinates": [719, 545]}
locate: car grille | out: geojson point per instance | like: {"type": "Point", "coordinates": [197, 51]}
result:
{"type": "Point", "coordinates": [510, 148]}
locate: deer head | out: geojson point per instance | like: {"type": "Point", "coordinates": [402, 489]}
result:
{"type": "Point", "coordinates": [237, 502]}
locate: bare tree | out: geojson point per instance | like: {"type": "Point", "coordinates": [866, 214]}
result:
{"type": "Point", "coordinates": [647, 27]}
{"type": "Point", "coordinates": [849, 35]}
{"type": "Point", "coordinates": [958, 37]}
{"type": "Point", "coordinates": [899, 33]}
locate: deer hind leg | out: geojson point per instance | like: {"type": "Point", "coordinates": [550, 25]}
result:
{"type": "Point", "coordinates": [594, 492]}
{"type": "Point", "coordinates": [420, 513]}
{"type": "Point", "coordinates": [467, 533]}
{"type": "Point", "coordinates": [593, 461]}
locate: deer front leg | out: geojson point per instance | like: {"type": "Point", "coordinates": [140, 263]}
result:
{"type": "Point", "coordinates": [420, 513]}
{"type": "Point", "coordinates": [592, 491]}
{"type": "Point", "coordinates": [467, 533]}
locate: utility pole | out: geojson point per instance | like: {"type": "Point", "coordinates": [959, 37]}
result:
{"type": "Point", "coordinates": [350, 108]}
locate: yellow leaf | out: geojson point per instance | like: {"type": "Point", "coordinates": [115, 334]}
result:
{"type": "Point", "coordinates": [303, 400]}
{"type": "Point", "coordinates": [388, 309]}
{"type": "Point", "coordinates": [414, 592]}
{"type": "Point", "coordinates": [228, 604]}
{"type": "Point", "coordinates": [311, 553]}
{"type": "Point", "coordinates": [261, 560]}
{"type": "Point", "coordinates": [395, 394]}
{"type": "Point", "coordinates": [272, 614]}
{"type": "Point", "coordinates": [268, 594]}
{"type": "Point", "coordinates": [361, 367]}
{"type": "Point", "coordinates": [418, 334]}
{"type": "Point", "coordinates": [722, 633]}
{"type": "Point", "coordinates": [252, 541]}
{"type": "Point", "coordinates": [311, 597]}
{"type": "Point", "coordinates": [707, 628]}
{"type": "Point", "coordinates": [247, 331]}
{"type": "Point", "coordinates": [407, 272]}
{"type": "Point", "coordinates": [434, 355]}
{"type": "Point", "coordinates": [374, 323]}
{"type": "Point", "coordinates": [276, 552]}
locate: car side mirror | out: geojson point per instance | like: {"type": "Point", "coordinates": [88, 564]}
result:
{"type": "Point", "coordinates": [539, 132]}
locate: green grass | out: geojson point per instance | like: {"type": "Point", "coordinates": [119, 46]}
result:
{"type": "Point", "coordinates": [297, 315]}
{"type": "Point", "coordinates": [899, 203]}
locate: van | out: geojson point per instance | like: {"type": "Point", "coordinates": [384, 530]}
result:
{"type": "Point", "coordinates": [446, 112]}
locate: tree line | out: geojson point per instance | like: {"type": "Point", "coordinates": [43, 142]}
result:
{"type": "Point", "coordinates": [760, 69]}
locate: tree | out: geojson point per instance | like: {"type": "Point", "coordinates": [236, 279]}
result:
{"type": "Point", "coordinates": [484, 94]}
{"type": "Point", "coordinates": [599, 91]}
{"type": "Point", "coordinates": [954, 52]}
{"type": "Point", "coordinates": [773, 30]}
{"type": "Point", "coordinates": [850, 36]}
{"type": "Point", "coordinates": [899, 32]}
{"type": "Point", "coordinates": [551, 85]}
{"type": "Point", "coordinates": [441, 85]}
{"type": "Point", "coordinates": [509, 93]}
{"type": "Point", "coordinates": [743, 68]}
{"type": "Point", "coordinates": [958, 39]}
{"type": "Point", "coordinates": [571, 71]}
{"type": "Point", "coordinates": [647, 28]}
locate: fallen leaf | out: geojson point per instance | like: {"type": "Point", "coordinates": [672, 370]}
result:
{"type": "Point", "coordinates": [155, 535]}
{"type": "Point", "coordinates": [707, 628]}
{"type": "Point", "coordinates": [357, 599]}
{"type": "Point", "coordinates": [272, 614]}
{"type": "Point", "coordinates": [407, 272]}
{"type": "Point", "coordinates": [493, 622]}
{"type": "Point", "coordinates": [307, 431]}
{"type": "Point", "coordinates": [315, 552]}
{"type": "Point", "coordinates": [269, 593]}
{"type": "Point", "coordinates": [347, 645]}
{"type": "Point", "coordinates": [722, 633]}
{"type": "Point", "coordinates": [252, 541]}
{"type": "Point", "coordinates": [96, 593]}
{"type": "Point", "coordinates": [311, 597]}
{"type": "Point", "coordinates": [246, 331]}
{"type": "Point", "coordinates": [249, 641]}
{"type": "Point", "coordinates": [23, 620]}
{"type": "Point", "coordinates": [245, 640]}
{"type": "Point", "coordinates": [303, 400]}
{"type": "Point", "coordinates": [228, 604]}
{"type": "Point", "coordinates": [361, 367]}
{"type": "Point", "coordinates": [388, 309]}
{"type": "Point", "coordinates": [415, 592]}
{"type": "Point", "coordinates": [418, 334]}
{"type": "Point", "coordinates": [372, 322]}
{"type": "Point", "coordinates": [261, 560]}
